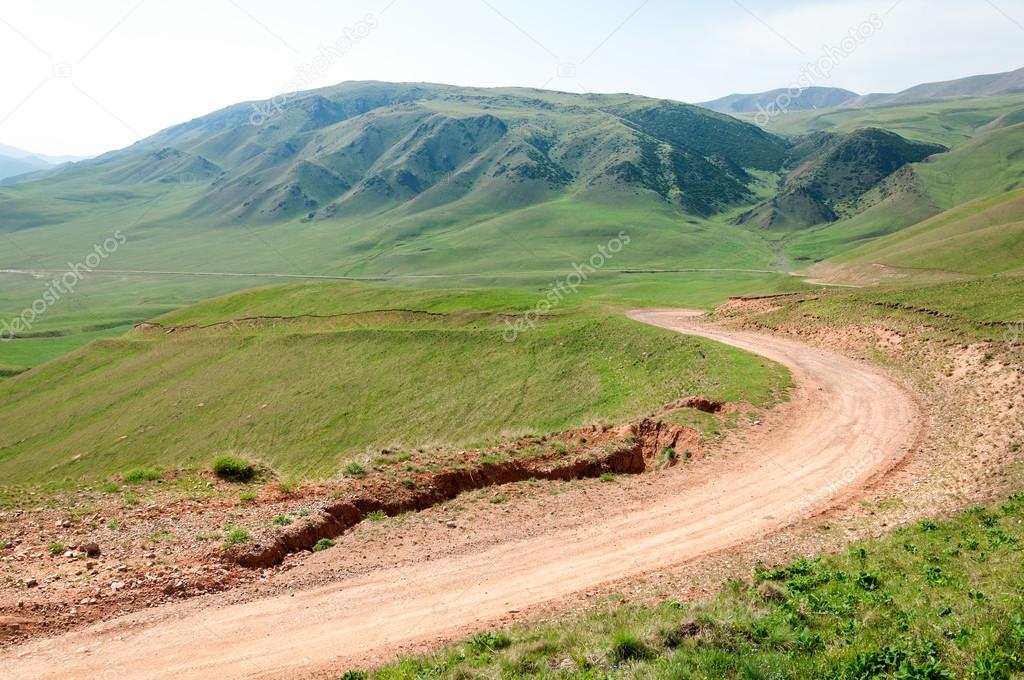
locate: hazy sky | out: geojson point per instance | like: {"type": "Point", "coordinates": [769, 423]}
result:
{"type": "Point", "coordinates": [85, 77]}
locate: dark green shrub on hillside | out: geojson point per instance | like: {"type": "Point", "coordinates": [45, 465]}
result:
{"type": "Point", "coordinates": [233, 469]}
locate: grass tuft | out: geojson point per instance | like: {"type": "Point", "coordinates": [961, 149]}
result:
{"type": "Point", "coordinates": [233, 469]}
{"type": "Point", "coordinates": [141, 475]}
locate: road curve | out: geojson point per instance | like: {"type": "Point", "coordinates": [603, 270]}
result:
{"type": "Point", "coordinates": [850, 422]}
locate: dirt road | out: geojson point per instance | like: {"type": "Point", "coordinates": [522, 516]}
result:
{"type": "Point", "coordinates": [849, 423]}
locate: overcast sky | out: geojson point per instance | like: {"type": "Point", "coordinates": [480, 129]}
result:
{"type": "Point", "coordinates": [85, 77]}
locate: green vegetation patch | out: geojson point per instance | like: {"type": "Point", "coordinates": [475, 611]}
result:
{"type": "Point", "coordinates": [935, 600]}
{"type": "Point", "coordinates": [354, 367]}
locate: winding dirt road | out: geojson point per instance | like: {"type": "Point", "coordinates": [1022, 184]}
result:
{"type": "Point", "coordinates": [849, 422]}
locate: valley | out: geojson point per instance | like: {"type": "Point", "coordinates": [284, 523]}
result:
{"type": "Point", "coordinates": [406, 380]}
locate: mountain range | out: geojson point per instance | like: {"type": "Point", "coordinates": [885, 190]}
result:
{"type": "Point", "coordinates": [15, 161]}
{"type": "Point", "coordinates": [395, 179]}
{"type": "Point", "coordinates": [1010, 82]}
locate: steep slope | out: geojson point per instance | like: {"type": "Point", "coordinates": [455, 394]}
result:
{"type": "Point", "coordinates": [369, 178]}
{"type": "Point", "coordinates": [829, 173]}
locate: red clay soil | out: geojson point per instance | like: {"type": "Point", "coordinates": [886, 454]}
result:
{"type": "Point", "coordinates": [631, 449]}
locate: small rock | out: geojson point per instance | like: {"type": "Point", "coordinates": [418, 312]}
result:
{"type": "Point", "coordinates": [92, 549]}
{"type": "Point", "coordinates": [116, 585]}
{"type": "Point", "coordinates": [451, 525]}
{"type": "Point", "coordinates": [31, 583]}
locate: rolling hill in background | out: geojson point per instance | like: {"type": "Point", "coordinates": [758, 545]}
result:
{"type": "Point", "coordinates": [15, 161]}
{"type": "Point", "coordinates": [370, 177]}
{"type": "Point", "coordinates": [828, 173]}
{"type": "Point", "coordinates": [436, 185]}
{"type": "Point", "coordinates": [814, 98]}
{"type": "Point", "coordinates": [809, 98]}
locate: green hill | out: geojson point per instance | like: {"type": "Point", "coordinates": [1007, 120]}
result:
{"type": "Point", "coordinates": [987, 85]}
{"type": "Point", "coordinates": [941, 122]}
{"type": "Point", "coordinates": [809, 98]}
{"type": "Point", "coordinates": [434, 185]}
{"type": "Point", "coordinates": [377, 178]}
{"type": "Point", "coordinates": [828, 173]}
{"type": "Point", "coordinates": [304, 378]}
{"type": "Point", "coordinates": [990, 164]}
{"type": "Point", "coordinates": [985, 236]}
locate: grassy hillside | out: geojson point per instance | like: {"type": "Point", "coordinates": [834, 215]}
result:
{"type": "Point", "coordinates": [102, 305]}
{"type": "Point", "coordinates": [990, 164]}
{"type": "Point", "coordinates": [828, 173]}
{"type": "Point", "coordinates": [396, 181]}
{"type": "Point", "coordinates": [985, 236]}
{"type": "Point", "coordinates": [945, 122]}
{"type": "Point", "coordinates": [352, 366]}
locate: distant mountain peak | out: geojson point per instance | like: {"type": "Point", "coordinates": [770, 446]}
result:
{"type": "Point", "coordinates": [783, 99]}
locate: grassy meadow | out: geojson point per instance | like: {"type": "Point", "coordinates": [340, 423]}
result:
{"type": "Point", "coordinates": [354, 366]}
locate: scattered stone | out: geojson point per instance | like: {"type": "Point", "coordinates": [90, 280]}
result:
{"type": "Point", "coordinates": [31, 583]}
{"type": "Point", "coordinates": [92, 549]}
{"type": "Point", "coordinates": [116, 585]}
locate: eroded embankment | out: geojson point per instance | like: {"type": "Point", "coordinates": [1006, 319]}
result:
{"type": "Point", "coordinates": [631, 449]}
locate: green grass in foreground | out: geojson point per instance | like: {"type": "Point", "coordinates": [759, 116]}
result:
{"type": "Point", "coordinates": [931, 601]}
{"type": "Point", "coordinates": [373, 367]}
{"type": "Point", "coordinates": [957, 311]}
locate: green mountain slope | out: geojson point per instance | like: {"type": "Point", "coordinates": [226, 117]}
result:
{"type": "Point", "coordinates": [981, 237]}
{"type": "Point", "coordinates": [1010, 82]}
{"type": "Point", "coordinates": [813, 99]}
{"type": "Point", "coordinates": [383, 178]}
{"type": "Point", "coordinates": [830, 172]}
{"type": "Point", "coordinates": [990, 164]}
{"type": "Point", "coordinates": [307, 377]}
{"type": "Point", "coordinates": [808, 99]}
{"type": "Point", "coordinates": [942, 122]}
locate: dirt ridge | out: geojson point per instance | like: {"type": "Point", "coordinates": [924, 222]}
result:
{"type": "Point", "coordinates": [635, 448]}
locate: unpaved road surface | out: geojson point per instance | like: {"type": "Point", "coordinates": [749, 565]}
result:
{"type": "Point", "coordinates": [849, 423]}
